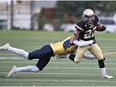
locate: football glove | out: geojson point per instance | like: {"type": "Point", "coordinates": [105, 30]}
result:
{"type": "Point", "coordinates": [68, 45]}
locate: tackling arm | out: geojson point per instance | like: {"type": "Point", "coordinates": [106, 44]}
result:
{"type": "Point", "coordinates": [74, 37]}
{"type": "Point", "coordinates": [82, 43]}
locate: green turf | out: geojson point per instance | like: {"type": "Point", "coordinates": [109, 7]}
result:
{"type": "Point", "coordinates": [58, 72]}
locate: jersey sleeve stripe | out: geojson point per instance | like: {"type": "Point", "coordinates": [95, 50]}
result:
{"type": "Point", "coordinates": [79, 28]}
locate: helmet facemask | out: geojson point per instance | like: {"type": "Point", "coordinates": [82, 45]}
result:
{"type": "Point", "coordinates": [88, 16]}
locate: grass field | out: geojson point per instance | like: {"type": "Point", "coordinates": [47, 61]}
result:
{"type": "Point", "coordinates": [61, 72]}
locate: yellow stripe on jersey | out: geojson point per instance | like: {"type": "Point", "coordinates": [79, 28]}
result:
{"type": "Point", "coordinates": [58, 48]}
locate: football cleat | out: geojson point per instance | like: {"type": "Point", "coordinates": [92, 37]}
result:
{"type": "Point", "coordinates": [4, 47]}
{"type": "Point", "coordinates": [107, 77]}
{"type": "Point", "coordinates": [12, 72]}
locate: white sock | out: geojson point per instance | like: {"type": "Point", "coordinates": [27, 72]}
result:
{"type": "Point", "coordinates": [27, 69]}
{"type": "Point", "coordinates": [20, 52]}
{"type": "Point", "coordinates": [103, 71]}
{"type": "Point", "coordinates": [89, 56]}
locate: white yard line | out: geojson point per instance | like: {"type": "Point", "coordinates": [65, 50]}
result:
{"type": "Point", "coordinates": [40, 80]}
{"type": "Point", "coordinates": [63, 63]}
{"type": "Point", "coordinates": [57, 86]}
{"type": "Point", "coordinates": [41, 73]}
{"type": "Point", "coordinates": [3, 58]}
{"type": "Point", "coordinates": [53, 58]}
{"type": "Point", "coordinates": [76, 68]}
{"type": "Point", "coordinates": [52, 73]}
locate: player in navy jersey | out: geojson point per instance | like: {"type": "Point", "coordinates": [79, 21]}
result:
{"type": "Point", "coordinates": [43, 54]}
{"type": "Point", "coordinates": [85, 31]}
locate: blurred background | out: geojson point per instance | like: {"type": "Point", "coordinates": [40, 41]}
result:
{"type": "Point", "coordinates": [31, 24]}
{"type": "Point", "coordinates": [53, 15]}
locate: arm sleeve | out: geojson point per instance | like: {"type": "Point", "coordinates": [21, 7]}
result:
{"type": "Point", "coordinates": [82, 43]}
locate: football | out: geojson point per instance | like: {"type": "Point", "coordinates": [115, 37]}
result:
{"type": "Point", "coordinates": [99, 27]}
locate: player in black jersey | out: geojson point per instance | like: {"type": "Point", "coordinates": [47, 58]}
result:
{"type": "Point", "coordinates": [85, 31]}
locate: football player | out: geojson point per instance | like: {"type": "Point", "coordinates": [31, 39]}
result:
{"type": "Point", "coordinates": [85, 31]}
{"type": "Point", "coordinates": [44, 54]}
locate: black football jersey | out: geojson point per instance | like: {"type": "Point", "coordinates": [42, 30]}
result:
{"type": "Point", "coordinates": [87, 32]}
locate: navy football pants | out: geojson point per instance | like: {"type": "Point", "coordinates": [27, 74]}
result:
{"type": "Point", "coordinates": [44, 54]}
